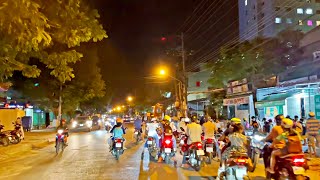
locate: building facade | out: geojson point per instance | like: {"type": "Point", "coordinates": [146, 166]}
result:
{"type": "Point", "coordinates": [266, 18]}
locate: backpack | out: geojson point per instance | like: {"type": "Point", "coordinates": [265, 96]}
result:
{"type": "Point", "coordinates": [294, 144]}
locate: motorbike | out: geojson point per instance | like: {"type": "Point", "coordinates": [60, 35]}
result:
{"type": "Point", "coordinates": [210, 149]}
{"type": "Point", "coordinates": [16, 133]}
{"type": "Point", "coordinates": [137, 135]}
{"type": "Point", "coordinates": [193, 153]}
{"type": "Point", "coordinates": [256, 149]}
{"type": "Point", "coordinates": [167, 149]}
{"type": "Point", "coordinates": [152, 147]}
{"type": "Point", "coordinates": [60, 143]}
{"type": "Point", "coordinates": [236, 167]}
{"type": "Point", "coordinates": [291, 166]}
{"type": "Point", "coordinates": [4, 140]}
{"type": "Point", "coordinates": [117, 148]}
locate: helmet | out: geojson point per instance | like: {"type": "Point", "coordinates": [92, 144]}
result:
{"type": "Point", "coordinates": [236, 120]}
{"type": "Point", "coordinates": [63, 120]}
{"type": "Point", "coordinates": [186, 119]}
{"type": "Point", "coordinates": [153, 119]}
{"type": "Point", "coordinates": [287, 123]}
{"type": "Point", "coordinates": [311, 114]}
{"type": "Point", "coordinates": [167, 118]}
{"type": "Point", "coordinates": [119, 120]}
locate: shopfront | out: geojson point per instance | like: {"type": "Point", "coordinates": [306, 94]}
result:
{"type": "Point", "coordinates": [269, 109]}
{"type": "Point", "coordinates": [241, 107]}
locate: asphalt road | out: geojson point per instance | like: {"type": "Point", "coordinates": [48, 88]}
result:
{"type": "Point", "coordinates": [88, 157]}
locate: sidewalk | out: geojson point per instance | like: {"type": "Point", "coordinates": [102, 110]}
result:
{"type": "Point", "coordinates": [33, 140]}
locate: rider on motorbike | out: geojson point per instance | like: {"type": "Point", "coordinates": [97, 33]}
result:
{"type": "Point", "coordinates": [117, 132]}
{"type": "Point", "coordinates": [138, 124]}
{"type": "Point", "coordinates": [152, 131]}
{"type": "Point", "coordinates": [65, 129]}
{"type": "Point", "coordinates": [293, 143]}
{"type": "Point", "coordinates": [168, 129]}
{"type": "Point", "coordinates": [19, 121]}
{"type": "Point", "coordinates": [193, 132]}
{"type": "Point", "coordinates": [209, 128]}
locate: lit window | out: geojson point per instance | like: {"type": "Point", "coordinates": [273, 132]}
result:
{"type": "Point", "coordinates": [309, 22]}
{"type": "Point", "coordinates": [289, 20]}
{"type": "Point", "coordinates": [278, 20]}
{"type": "Point", "coordinates": [300, 22]}
{"type": "Point", "coordinates": [318, 23]}
{"type": "Point", "coordinates": [246, 2]}
{"type": "Point", "coordinates": [309, 11]}
{"type": "Point", "coordinates": [299, 11]}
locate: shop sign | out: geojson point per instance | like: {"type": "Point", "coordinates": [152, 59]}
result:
{"type": "Point", "coordinates": [269, 104]}
{"type": "Point", "coordinates": [235, 101]}
{"type": "Point", "coordinates": [317, 106]}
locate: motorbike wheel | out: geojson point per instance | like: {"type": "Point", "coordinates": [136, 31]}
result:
{"type": "Point", "coordinates": [167, 159]}
{"type": "Point", "coordinates": [57, 147]}
{"type": "Point", "coordinates": [210, 157]}
{"type": "Point", "coordinates": [5, 141]}
{"type": "Point", "coordinates": [15, 139]}
{"type": "Point", "coordinates": [197, 167]}
{"type": "Point", "coordinates": [116, 155]}
{"type": "Point", "coordinates": [255, 161]}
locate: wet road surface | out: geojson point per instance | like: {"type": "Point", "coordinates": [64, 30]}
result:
{"type": "Point", "coordinates": [87, 157]}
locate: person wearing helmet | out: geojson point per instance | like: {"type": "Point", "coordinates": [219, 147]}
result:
{"type": "Point", "coordinates": [292, 140]}
{"type": "Point", "coordinates": [63, 126]}
{"type": "Point", "coordinates": [183, 124]}
{"type": "Point", "coordinates": [168, 128]}
{"type": "Point", "coordinates": [193, 132]}
{"type": "Point", "coordinates": [117, 131]}
{"type": "Point", "coordinates": [312, 132]}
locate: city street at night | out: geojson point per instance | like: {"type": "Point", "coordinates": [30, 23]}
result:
{"type": "Point", "coordinates": [87, 157]}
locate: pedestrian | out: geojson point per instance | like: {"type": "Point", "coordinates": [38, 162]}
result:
{"type": "Point", "coordinates": [266, 126]}
{"type": "Point", "coordinates": [297, 125]}
{"type": "Point", "coordinates": [313, 127]}
{"type": "Point", "coordinates": [19, 121]}
{"type": "Point", "coordinates": [254, 124]}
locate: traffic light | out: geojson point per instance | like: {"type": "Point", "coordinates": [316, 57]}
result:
{"type": "Point", "coordinates": [163, 39]}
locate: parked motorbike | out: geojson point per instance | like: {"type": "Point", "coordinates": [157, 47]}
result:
{"type": "Point", "coordinates": [117, 148]}
{"type": "Point", "coordinates": [291, 166]}
{"type": "Point", "coordinates": [60, 142]}
{"type": "Point", "coordinates": [4, 140]}
{"type": "Point", "coordinates": [16, 133]}
{"type": "Point", "coordinates": [137, 135]}
{"type": "Point", "coordinates": [167, 149]}
{"type": "Point", "coordinates": [236, 167]}
{"type": "Point", "coordinates": [210, 149]}
{"type": "Point", "coordinates": [256, 149]}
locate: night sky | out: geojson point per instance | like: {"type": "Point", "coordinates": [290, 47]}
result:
{"type": "Point", "coordinates": [135, 28]}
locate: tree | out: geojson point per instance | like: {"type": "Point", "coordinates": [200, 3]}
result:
{"type": "Point", "coordinates": [48, 30]}
{"type": "Point", "coordinates": [256, 60]}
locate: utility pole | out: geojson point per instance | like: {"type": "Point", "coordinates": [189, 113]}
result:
{"type": "Point", "coordinates": [184, 86]}
{"type": "Point", "coordinates": [60, 105]}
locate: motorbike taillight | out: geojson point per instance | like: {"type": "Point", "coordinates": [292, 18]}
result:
{"type": "Point", "coordinates": [199, 146]}
{"type": "Point", "coordinates": [167, 141]}
{"type": "Point", "coordinates": [209, 141]}
{"type": "Point", "coordinates": [118, 140]}
{"type": "Point", "coordinates": [240, 161]}
{"type": "Point", "coordinates": [298, 161]}
{"type": "Point", "coordinates": [150, 139]}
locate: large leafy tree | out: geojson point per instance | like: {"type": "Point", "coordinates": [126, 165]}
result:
{"type": "Point", "coordinates": [48, 30]}
{"type": "Point", "coordinates": [257, 60]}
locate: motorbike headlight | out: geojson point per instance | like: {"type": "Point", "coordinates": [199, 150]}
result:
{"type": "Point", "coordinates": [258, 138]}
{"type": "Point", "coordinates": [60, 131]}
{"type": "Point", "coordinates": [89, 123]}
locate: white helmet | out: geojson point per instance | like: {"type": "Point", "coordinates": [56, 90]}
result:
{"type": "Point", "coordinates": [153, 119]}
{"type": "Point", "coordinates": [186, 119]}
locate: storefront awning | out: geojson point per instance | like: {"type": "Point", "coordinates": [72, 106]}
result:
{"type": "Point", "coordinates": [274, 100]}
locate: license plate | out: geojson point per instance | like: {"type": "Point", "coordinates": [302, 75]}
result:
{"type": "Point", "coordinates": [81, 124]}
{"type": "Point", "coordinates": [149, 142]}
{"type": "Point", "coordinates": [167, 150]}
{"type": "Point", "coordinates": [118, 144]}
{"type": "Point", "coordinates": [182, 142]}
{"type": "Point", "coordinates": [135, 132]}
{"type": "Point", "coordinates": [200, 152]}
{"type": "Point", "coordinates": [298, 170]}
{"type": "Point", "coordinates": [209, 149]}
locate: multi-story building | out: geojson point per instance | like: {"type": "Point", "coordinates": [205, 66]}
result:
{"type": "Point", "coordinates": [266, 18]}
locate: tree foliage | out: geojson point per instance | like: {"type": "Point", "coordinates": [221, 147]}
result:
{"type": "Point", "coordinates": [257, 59]}
{"type": "Point", "coordinates": [48, 30]}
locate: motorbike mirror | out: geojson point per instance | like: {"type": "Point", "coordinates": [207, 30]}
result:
{"type": "Point", "coordinates": [182, 129]}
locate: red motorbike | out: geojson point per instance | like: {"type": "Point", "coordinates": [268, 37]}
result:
{"type": "Point", "coordinates": [210, 149]}
{"type": "Point", "coordinates": [167, 149]}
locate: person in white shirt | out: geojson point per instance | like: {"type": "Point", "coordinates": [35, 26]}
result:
{"type": "Point", "coordinates": [152, 131]}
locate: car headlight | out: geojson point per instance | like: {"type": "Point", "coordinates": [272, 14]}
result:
{"type": "Point", "coordinates": [89, 123]}
{"type": "Point", "coordinates": [60, 131]}
{"type": "Point", "coordinates": [74, 124]}
{"type": "Point", "coordinates": [258, 138]}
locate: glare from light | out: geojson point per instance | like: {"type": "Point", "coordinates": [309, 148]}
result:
{"type": "Point", "coordinates": [162, 72]}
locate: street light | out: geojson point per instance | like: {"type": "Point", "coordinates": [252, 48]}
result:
{"type": "Point", "coordinates": [118, 108]}
{"type": "Point", "coordinates": [129, 98]}
{"type": "Point", "coordinates": [162, 72]}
